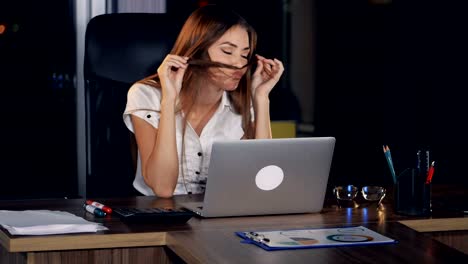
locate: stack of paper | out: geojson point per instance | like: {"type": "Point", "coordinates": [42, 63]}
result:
{"type": "Point", "coordinates": [45, 222]}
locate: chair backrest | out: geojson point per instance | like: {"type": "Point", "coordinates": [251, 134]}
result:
{"type": "Point", "coordinates": [119, 50]}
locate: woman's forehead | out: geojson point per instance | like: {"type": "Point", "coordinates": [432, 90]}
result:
{"type": "Point", "coordinates": [236, 36]}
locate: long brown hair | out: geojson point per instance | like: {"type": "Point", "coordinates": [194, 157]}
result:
{"type": "Point", "coordinates": [203, 28]}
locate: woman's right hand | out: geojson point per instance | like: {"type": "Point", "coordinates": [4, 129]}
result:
{"type": "Point", "coordinates": [171, 73]}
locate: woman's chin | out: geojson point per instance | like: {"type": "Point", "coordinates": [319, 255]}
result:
{"type": "Point", "coordinates": [231, 86]}
{"type": "Point", "coordinates": [230, 89]}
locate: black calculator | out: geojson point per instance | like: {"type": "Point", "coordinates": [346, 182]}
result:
{"type": "Point", "coordinates": [154, 215]}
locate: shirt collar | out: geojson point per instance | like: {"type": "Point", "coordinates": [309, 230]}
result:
{"type": "Point", "coordinates": [226, 102]}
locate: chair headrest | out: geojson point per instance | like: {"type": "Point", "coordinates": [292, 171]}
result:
{"type": "Point", "coordinates": [128, 47]}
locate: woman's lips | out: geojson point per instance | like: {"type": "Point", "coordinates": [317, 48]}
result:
{"type": "Point", "coordinates": [237, 75]}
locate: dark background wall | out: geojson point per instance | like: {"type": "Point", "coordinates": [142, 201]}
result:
{"type": "Point", "coordinates": [392, 74]}
{"type": "Point", "coordinates": [37, 105]}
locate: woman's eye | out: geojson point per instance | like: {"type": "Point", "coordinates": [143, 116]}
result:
{"type": "Point", "coordinates": [230, 53]}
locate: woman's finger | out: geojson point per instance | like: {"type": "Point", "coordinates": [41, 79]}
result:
{"type": "Point", "coordinates": [176, 58]}
{"type": "Point", "coordinates": [175, 66]}
{"type": "Point", "coordinates": [279, 64]}
{"type": "Point", "coordinates": [174, 61]}
{"type": "Point", "coordinates": [259, 68]}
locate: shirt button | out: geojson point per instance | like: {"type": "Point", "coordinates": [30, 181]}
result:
{"type": "Point", "coordinates": [148, 116]}
{"type": "Point", "coordinates": [197, 172]}
{"type": "Point", "coordinates": [199, 154]}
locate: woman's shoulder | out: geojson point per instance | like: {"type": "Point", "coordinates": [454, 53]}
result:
{"type": "Point", "coordinates": [144, 90]}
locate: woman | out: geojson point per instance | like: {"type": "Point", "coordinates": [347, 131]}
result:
{"type": "Point", "coordinates": [203, 91]}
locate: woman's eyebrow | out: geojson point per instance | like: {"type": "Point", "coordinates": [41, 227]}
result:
{"type": "Point", "coordinates": [233, 45]}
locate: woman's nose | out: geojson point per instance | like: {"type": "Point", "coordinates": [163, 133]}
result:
{"type": "Point", "coordinates": [238, 62]}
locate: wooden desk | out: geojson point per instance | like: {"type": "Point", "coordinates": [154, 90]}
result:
{"type": "Point", "coordinates": [450, 231]}
{"type": "Point", "coordinates": [213, 240]}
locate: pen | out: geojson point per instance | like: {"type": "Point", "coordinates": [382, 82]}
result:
{"type": "Point", "coordinates": [94, 210]}
{"type": "Point", "coordinates": [104, 208]}
{"type": "Point", "coordinates": [430, 173]}
{"type": "Point", "coordinates": [388, 156]}
{"type": "Point", "coordinates": [426, 162]}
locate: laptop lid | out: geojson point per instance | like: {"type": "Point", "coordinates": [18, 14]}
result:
{"type": "Point", "coordinates": [267, 176]}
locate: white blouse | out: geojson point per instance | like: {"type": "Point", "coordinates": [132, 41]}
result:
{"type": "Point", "coordinates": [144, 101]}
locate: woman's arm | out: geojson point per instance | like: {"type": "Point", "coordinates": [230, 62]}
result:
{"type": "Point", "coordinates": [262, 117]}
{"type": "Point", "coordinates": [266, 76]}
{"type": "Point", "coordinates": [158, 147]}
{"type": "Point", "coordinates": [158, 152]}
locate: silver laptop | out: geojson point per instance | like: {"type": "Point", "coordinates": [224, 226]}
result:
{"type": "Point", "coordinates": [266, 176]}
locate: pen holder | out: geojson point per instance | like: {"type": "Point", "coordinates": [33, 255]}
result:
{"type": "Point", "coordinates": [412, 194]}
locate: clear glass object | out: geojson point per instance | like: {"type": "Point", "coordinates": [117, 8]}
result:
{"type": "Point", "coordinates": [373, 194]}
{"type": "Point", "coordinates": [345, 195]}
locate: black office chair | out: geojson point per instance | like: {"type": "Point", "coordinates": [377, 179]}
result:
{"type": "Point", "coordinates": [119, 50]}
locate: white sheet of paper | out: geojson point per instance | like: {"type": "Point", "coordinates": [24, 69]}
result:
{"type": "Point", "coordinates": [45, 222]}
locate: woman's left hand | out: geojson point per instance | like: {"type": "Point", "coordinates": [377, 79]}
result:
{"type": "Point", "coordinates": [266, 76]}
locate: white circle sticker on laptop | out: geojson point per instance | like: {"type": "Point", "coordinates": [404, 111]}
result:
{"type": "Point", "coordinates": [269, 177]}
